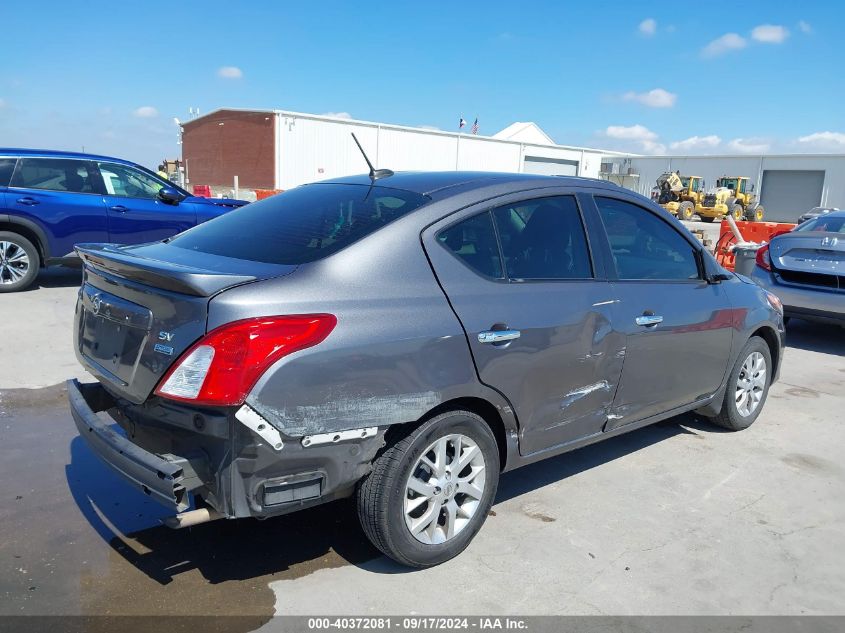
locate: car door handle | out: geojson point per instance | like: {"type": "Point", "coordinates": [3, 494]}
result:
{"type": "Point", "coordinates": [119, 208]}
{"type": "Point", "coordinates": [647, 320]}
{"type": "Point", "coordinates": [498, 336]}
{"type": "Point", "coordinates": [27, 201]}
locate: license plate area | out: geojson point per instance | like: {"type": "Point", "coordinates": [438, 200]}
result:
{"type": "Point", "coordinates": [113, 332]}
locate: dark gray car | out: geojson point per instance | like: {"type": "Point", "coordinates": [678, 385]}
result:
{"type": "Point", "coordinates": [805, 268]}
{"type": "Point", "coordinates": [405, 340]}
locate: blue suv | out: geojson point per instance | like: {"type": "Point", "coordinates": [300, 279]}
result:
{"type": "Point", "coordinates": [51, 200]}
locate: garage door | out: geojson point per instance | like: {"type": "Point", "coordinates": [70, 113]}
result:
{"type": "Point", "coordinates": [550, 166]}
{"type": "Point", "coordinates": [786, 194]}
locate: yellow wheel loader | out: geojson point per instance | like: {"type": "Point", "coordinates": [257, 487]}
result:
{"type": "Point", "coordinates": [742, 196]}
{"type": "Point", "coordinates": [679, 195]}
{"type": "Point", "coordinates": [714, 206]}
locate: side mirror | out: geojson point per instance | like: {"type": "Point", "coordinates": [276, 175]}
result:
{"type": "Point", "coordinates": [752, 187]}
{"type": "Point", "coordinates": [170, 195]}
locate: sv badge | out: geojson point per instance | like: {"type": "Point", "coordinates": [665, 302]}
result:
{"type": "Point", "coordinates": [165, 336]}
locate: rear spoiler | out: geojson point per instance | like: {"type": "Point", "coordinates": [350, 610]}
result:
{"type": "Point", "coordinates": [190, 280]}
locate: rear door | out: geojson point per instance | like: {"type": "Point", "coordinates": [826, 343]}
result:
{"type": "Point", "coordinates": [678, 327]}
{"type": "Point", "coordinates": [536, 310]}
{"type": "Point", "coordinates": [136, 213]}
{"type": "Point", "coordinates": [63, 196]}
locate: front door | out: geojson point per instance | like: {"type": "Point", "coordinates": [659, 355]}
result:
{"type": "Point", "coordinates": [678, 327]}
{"type": "Point", "coordinates": [536, 311]}
{"type": "Point", "coordinates": [136, 213]}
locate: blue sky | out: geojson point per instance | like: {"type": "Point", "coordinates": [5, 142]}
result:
{"type": "Point", "coordinates": [638, 76]}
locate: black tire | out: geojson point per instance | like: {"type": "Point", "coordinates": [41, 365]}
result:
{"type": "Point", "coordinates": [686, 210]}
{"type": "Point", "coordinates": [729, 417]}
{"type": "Point", "coordinates": [737, 211]}
{"type": "Point", "coordinates": [382, 494]}
{"type": "Point", "coordinates": [17, 243]}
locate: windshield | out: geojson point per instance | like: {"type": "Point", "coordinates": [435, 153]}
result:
{"type": "Point", "coordinates": [301, 225]}
{"type": "Point", "coordinates": [825, 224]}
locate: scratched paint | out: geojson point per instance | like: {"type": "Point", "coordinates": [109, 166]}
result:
{"type": "Point", "coordinates": [577, 394]}
{"type": "Point", "coordinates": [344, 413]}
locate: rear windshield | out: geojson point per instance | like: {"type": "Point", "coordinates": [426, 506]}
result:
{"type": "Point", "coordinates": [301, 225]}
{"type": "Point", "coordinates": [824, 223]}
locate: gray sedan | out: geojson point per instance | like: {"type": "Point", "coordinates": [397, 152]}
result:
{"type": "Point", "coordinates": [806, 269]}
{"type": "Point", "coordinates": [404, 339]}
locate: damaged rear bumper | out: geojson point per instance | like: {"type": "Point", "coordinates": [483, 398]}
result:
{"type": "Point", "coordinates": [162, 477]}
{"type": "Point", "coordinates": [173, 452]}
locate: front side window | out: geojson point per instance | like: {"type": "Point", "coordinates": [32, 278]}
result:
{"type": "Point", "coordinates": [643, 245]}
{"type": "Point", "coordinates": [127, 182]}
{"type": "Point", "coordinates": [473, 241]}
{"type": "Point", "coordinates": [55, 174]}
{"type": "Point", "coordinates": [543, 238]}
{"type": "Point", "coordinates": [301, 225]}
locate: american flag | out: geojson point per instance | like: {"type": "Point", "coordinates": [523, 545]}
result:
{"type": "Point", "coordinates": [461, 123]}
{"type": "Point", "coordinates": [474, 128]}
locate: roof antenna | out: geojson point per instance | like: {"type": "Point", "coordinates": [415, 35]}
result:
{"type": "Point", "coordinates": [375, 174]}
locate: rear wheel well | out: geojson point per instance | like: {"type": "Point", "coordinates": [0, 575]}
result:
{"type": "Point", "coordinates": [29, 234]}
{"type": "Point", "coordinates": [479, 406]}
{"type": "Point", "coordinates": [771, 338]}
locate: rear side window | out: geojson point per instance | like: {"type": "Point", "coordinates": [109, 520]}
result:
{"type": "Point", "coordinates": [56, 174]}
{"type": "Point", "coordinates": [474, 242]}
{"type": "Point", "coordinates": [643, 245]}
{"type": "Point", "coordinates": [544, 239]}
{"type": "Point", "coordinates": [7, 166]}
{"type": "Point", "coordinates": [301, 225]}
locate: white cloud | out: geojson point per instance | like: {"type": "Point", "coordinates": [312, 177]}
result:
{"type": "Point", "coordinates": [230, 72]}
{"type": "Point", "coordinates": [824, 140]}
{"type": "Point", "coordinates": [749, 145]}
{"type": "Point", "coordinates": [804, 27]}
{"type": "Point", "coordinates": [630, 133]}
{"type": "Point", "coordinates": [337, 115]}
{"type": "Point", "coordinates": [145, 112]}
{"type": "Point", "coordinates": [648, 27]}
{"type": "Point", "coordinates": [770, 33]}
{"type": "Point", "coordinates": [723, 44]}
{"type": "Point", "coordinates": [637, 136]}
{"type": "Point", "coordinates": [697, 143]}
{"type": "Point", "coordinates": [657, 98]}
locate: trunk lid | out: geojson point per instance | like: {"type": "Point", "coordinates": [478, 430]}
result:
{"type": "Point", "coordinates": [810, 258]}
{"type": "Point", "coordinates": [141, 307]}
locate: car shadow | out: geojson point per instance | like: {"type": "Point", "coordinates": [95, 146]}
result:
{"type": "Point", "coordinates": [293, 545]}
{"type": "Point", "coordinates": [130, 523]}
{"type": "Point", "coordinates": [57, 277]}
{"type": "Point", "coordinates": [815, 337]}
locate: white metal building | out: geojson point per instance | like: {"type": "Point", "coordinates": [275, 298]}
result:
{"type": "Point", "coordinates": [309, 147]}
{"type": "Point", "coordinates": [787, 184]}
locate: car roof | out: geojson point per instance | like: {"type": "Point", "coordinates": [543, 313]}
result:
{"type": "Point", "coordinates": [427, 183]}
{"type": "Point", "coordinates": [47, 153]}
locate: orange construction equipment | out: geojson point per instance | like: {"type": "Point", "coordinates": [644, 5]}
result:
{"type": "Point", "coordinates": [751, 232]}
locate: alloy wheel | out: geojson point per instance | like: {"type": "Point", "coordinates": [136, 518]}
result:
{"type": "Point", "coordinates": [750, 384]}
{"type": "Point", "coordinates": [14, 263]}
{"type": "Point", "coordinates": [444, 489]}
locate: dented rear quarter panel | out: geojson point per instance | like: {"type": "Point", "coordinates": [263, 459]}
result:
{"type": "Point", "coordinates": [388, 360]}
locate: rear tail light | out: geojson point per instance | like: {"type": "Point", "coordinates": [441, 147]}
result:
{"type": "Point", "coordinates": [222, 367]}
{"type": "Point", "coordinates": [763, 260]}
